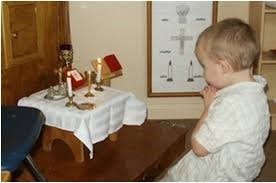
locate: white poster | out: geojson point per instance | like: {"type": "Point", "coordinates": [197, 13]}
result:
{"type": "Point", "coordinates": [175, 26]}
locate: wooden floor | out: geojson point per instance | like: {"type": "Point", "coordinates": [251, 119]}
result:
{"type": "Point", "coordinates": [140, 153]}
{"type": "Point", "coordinates": [268, 172]}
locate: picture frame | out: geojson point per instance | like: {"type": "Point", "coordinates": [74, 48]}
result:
{"type": "Point", "coordinates": [172, 31]}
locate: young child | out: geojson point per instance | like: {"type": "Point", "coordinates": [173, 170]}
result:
{"type": "Point", "coordinates": [227, 142]}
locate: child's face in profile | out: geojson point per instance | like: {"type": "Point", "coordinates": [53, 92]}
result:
{"type": "Point", "coordinates": [212, 70]}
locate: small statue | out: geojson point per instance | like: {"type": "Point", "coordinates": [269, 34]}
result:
{"type": "Point", "coordinates": [61, 90]}
{"type": "Point", "coordinates": [59, 71]}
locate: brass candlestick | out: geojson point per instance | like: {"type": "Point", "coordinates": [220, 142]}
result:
{"type": "Point", "coordinates": [88, 75]}
{"type": "Point", "coordinates": [71, 103]}
{"type": "Point", "coordinates": [98, 87]}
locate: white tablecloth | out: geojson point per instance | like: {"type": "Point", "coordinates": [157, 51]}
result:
{"type": "Point", "coordinates": [113, 109]}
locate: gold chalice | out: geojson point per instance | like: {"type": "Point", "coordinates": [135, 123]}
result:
{"type": "Point", "coordinates": [65, 54]}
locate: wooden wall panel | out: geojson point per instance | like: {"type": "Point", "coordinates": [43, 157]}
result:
{"type": "Point", "coordinates": [29, 55]}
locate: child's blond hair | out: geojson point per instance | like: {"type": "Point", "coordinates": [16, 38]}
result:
{"type": "Point", "coordinates": [232, 40]}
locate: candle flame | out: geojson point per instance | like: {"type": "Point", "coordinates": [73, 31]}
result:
{"type": "Point", "coordinates": [99, 60]}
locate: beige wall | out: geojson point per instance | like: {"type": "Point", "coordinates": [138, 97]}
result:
{"type": "Point", "coordinates": [102, 28]}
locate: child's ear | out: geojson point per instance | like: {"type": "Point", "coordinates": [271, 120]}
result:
{"type": "Point", "coordinates": [225, 66]}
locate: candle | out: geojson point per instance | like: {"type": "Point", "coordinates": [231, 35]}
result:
{"type": "Point", "coordinates": [69, 84]}
{"type": "Point", "coordinates": [99, 70]}
{"type": "Point", "coordinates": [88, 77]}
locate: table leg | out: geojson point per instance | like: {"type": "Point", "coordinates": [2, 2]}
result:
{"type": "Point", "coordinates": [113, 137]}
{"type": "Point", "coordinates": [46, 138]}
{"type": "Point", "coordinates": [49, 134]}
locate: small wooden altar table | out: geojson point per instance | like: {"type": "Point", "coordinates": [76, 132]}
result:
{"type": "Point", "coordinates": [141, 153]}
{"type": "Point", "coordinates": [79, 128]}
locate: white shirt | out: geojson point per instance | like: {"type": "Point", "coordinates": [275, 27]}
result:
{"type": "Point", "coordinates": [234, 132]}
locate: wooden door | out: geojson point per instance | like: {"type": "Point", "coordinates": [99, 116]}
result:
{"type": "Point", "coordinates": [30, 36]}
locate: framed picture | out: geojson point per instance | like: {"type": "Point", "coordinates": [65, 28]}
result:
{"type": "Point", "coordinates": [172, 32]}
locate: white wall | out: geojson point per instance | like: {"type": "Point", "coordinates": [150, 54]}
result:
{"type": "Point", "coordinates": [102, 28]}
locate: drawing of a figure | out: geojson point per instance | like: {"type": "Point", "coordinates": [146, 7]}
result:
{"type": "Point", "coordinates": [170, 70]}
{"type": "Point", "coordinates": [181, 37]}
{"type": "Point", "coordinates": [182, 11]}
{"type": "Point", "coordinates": [190, 72]}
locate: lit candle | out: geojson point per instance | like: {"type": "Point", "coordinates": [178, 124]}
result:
{"type": "Point", "coordinates": [99, 70]}
{"type": "Point", "coordinates": [69, 84]}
